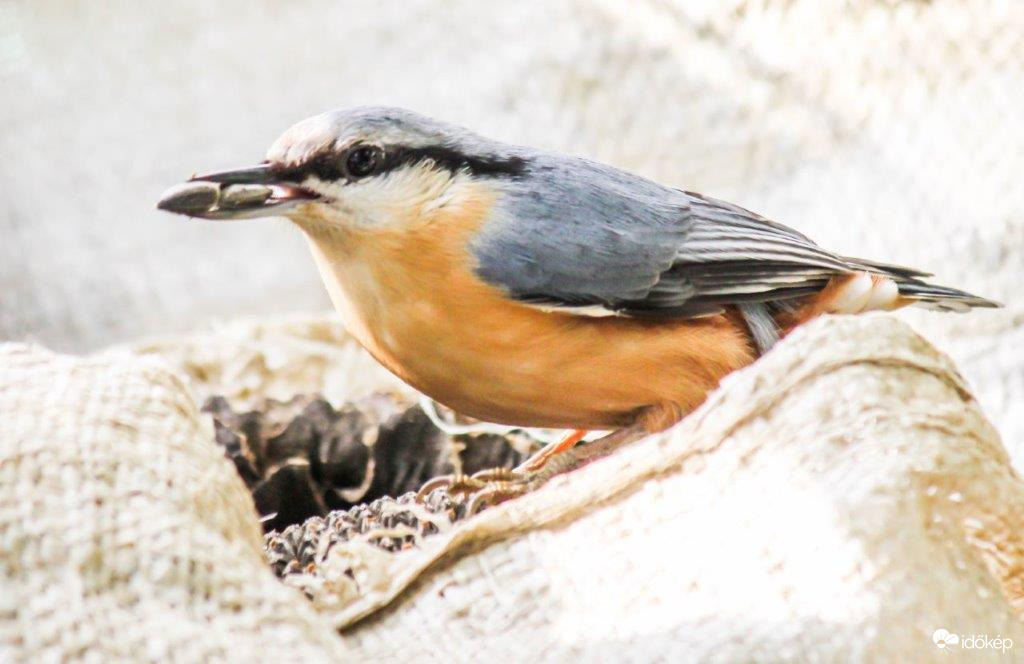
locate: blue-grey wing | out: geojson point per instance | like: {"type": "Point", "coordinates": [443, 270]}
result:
{"type": "Point", "coordinates": [577, 234]}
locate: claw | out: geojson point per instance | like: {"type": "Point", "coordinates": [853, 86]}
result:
{"type": "Point", "coordinates": [454, 484]}
{"type": "Point", "coordinates": [498, 475]}
{"type": "Point", "coordinates": [498, 492]}
{"type": "Point", "coordinates": [484, 488]}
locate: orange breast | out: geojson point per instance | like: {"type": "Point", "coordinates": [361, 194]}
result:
{"type": "Point", "coordinates": [409, 295]}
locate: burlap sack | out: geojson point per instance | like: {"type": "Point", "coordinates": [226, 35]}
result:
{"type": "Point", "coordinates": [125, 535]}
{"type": "Point", "coordinates": [840, 500]}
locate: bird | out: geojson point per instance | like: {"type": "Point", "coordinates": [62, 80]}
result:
{"type": "Point", "coordinates": [536, 289]}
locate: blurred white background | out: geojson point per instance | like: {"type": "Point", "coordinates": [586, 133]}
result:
{"type": "Point", "coordinates": [890, 130]}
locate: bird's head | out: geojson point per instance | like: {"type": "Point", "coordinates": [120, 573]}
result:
{"type": "Point", "coordinates": [366, 167]}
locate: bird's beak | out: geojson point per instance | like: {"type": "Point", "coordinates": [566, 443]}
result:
{"type": "Point", "coordinates": [244, 193]}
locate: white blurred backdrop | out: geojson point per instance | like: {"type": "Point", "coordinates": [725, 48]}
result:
{"type": "Point", "coordinates": [890, 130]}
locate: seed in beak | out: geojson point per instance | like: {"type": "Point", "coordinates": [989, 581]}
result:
{"type": "Point", "coordinates": [243, 195]}
{"type": "Point", "coordinates": [190, 197]}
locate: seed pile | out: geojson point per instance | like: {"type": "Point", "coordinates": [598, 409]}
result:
{"type": "Point", "coordinates": [392, 524]}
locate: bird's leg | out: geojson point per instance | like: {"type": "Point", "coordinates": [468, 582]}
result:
{"type": "Point", "coordinates": [502, 484]}
{"type": "Point", "coordinates": [849, 294]}
{"type": "Point", "coordinates": [650, 419]}
{"type": "Point", "coordinates": [541, 457]}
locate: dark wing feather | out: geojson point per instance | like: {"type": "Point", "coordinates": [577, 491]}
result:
{"type": "Point", "coordinates": [729, 255]}
{"type": "Point", "coordinates": [578, 234]}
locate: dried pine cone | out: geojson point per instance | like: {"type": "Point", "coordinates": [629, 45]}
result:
{"type": "Point", "coordinates": [400, 522]}
{"type": "Point", "coordinates": [303, 458]}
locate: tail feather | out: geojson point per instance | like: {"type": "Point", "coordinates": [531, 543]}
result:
{"type": "Point", "coordinates": [941, 298]}
{"type": "Point", "coordinates": [923, 294]}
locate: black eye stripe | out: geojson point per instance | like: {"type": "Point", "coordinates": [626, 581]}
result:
{"type": "Point", "coordinates": [453, 160]}
{"type": "Point", "coordinates": [326, 167]}
{"type": "Point", "coordinates": [330, 166]}
{"type": "Point", "coordinates": [323, 166]}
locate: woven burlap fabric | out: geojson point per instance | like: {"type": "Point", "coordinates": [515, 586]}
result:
{"type": "Point", "coordinates": [840, 500]}
{"type": "Point", "coordinates": [125, 535]}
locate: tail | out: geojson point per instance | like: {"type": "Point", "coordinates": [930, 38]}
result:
{"type": "Point", "coordinates": [923, 294]}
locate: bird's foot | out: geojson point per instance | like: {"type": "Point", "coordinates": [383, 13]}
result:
{"type": "Point", "coordinates": [491, 487]}
{"type": "Point", "coordinates": [482, 489]}
{"type": "Point", "coordinates": [495, 485]}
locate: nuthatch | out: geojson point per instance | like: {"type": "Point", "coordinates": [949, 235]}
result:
{"type": "Point", "coordinates": [536, 289]}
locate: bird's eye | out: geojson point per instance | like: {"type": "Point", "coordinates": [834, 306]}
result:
{"type": "Point", "coordinates": [363, 160]}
